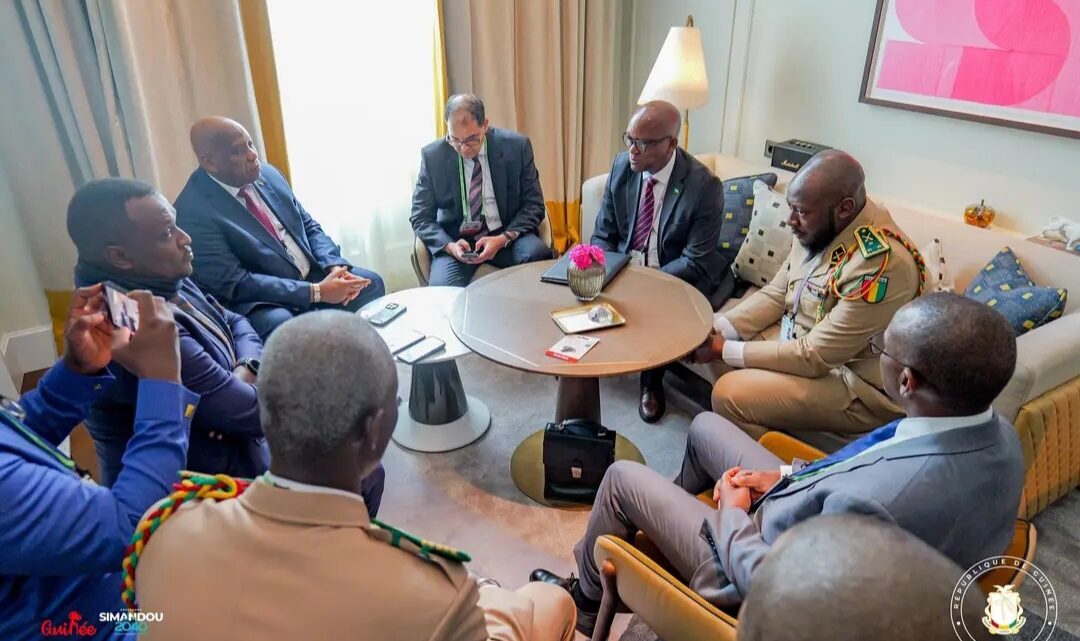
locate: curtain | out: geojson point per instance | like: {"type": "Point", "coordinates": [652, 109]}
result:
{"type": "Point", "coordinates": [548, 70]}
{"type": "Point", "coordinates": [356, 94]}
{"type": "Point", "coordinates": [260, 50]}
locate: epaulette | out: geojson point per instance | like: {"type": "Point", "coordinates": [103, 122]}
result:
{"type": "Point", "coordinates": [427, 548]}
{"type": "Point", "coordinates": [871, 241]}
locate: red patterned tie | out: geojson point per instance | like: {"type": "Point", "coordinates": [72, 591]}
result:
{"type": "Point", "coordinates": [643, 226]}
{"type": "Point", "coordinates": [257, 211]}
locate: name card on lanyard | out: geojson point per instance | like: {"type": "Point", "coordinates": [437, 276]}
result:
{"type": "Point", "coordinates": [787, 321]}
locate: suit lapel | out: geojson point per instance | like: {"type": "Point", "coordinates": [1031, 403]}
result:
{"type": "Point", "coordinates": [633, 196]}
{"type": "Point", "coordinates": [453, 168]}
{"type": "Point", "coordinates": [498, 174]}
{"type": "Point", "coordinates": [285, 215]}
{"type": "Point", "coordinates": [230, 207]}
{"type": "Point", "coordinates": [671, 197]}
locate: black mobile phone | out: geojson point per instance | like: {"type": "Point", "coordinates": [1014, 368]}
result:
{"type": "Point", "coordinates": [467, 256]}
{"type": "Point", "coordinates": [386, 314]}
{"type": "Point", "coordinates": [421, 350]}
{"type": "Point", "coordinates": [123, 310]}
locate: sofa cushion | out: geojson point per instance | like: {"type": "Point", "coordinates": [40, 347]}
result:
{"type": "Point", "coordinates": [1004, 285]}
{"type": "Point", "coordinates": [769, 239]}
{"type": "Point", "coordinates": [738, 208]}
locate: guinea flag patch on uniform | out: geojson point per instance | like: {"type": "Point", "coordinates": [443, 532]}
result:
{"type": "Point", "coordinates": [874, 289]}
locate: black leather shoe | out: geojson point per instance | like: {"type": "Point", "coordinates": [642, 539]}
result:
{"type": "Point", "coordinates": [586, 621]}
{"type": "Point", "coordinates": [653, 403]}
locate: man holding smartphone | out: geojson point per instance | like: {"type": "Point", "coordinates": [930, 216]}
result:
{"type": "Point", "coordinates": [477, 198]}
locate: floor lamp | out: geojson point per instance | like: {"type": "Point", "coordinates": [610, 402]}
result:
{"type": "Point", "coordinates": [678, 75]}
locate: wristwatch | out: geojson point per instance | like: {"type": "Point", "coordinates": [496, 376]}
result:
{"type": "Point", "coordinates": [252, 365]}
{"type": "Point", "coordinates": [510, 236]}
{"type": "Point", "coordinates": [316, 294]}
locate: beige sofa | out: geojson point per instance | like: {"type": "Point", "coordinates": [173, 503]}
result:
{"type": "Point", "coordinates": [1043, 397]}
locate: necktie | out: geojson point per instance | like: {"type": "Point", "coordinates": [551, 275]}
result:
{"type": "Point", "coordinates": [643, 226]}
{"type": "Point", "coordinates": [850, 450]}
{"type": "Point", "coordinates": [476, 192]}
{"type": "Point", "coordinates": [257, 211]}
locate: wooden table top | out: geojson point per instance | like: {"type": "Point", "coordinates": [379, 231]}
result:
{"type": "Point", "coordinates": [505, 317]}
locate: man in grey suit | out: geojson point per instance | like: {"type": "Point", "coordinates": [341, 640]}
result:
{"type": "Point", "coordinates": [662, 206]}
{"type": "Point", "coordinates": [477, 197]}
{"type": "Point", "coordinates": [951, 473]}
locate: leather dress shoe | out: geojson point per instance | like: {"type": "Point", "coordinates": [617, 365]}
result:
{"type": "Point", "coordinates": [653, 404]}
{"type": "Point", "coordinates": [586, 621]}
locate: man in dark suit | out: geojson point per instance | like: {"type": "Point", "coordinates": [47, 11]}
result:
{"type": "Point", "coordinates": [662, 206]}
{"type": "Point", "coordinates": [256, 249]}
{"type": "Point", "coordinates": [126, 233]}
{"type": "Point", "coordinates": [478, 197]}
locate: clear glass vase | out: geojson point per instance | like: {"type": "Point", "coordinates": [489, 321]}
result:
{"type": "Point", "coordinates": [585, 283]}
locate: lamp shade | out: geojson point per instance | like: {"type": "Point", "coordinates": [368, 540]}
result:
{"type": "Point", "coordinates": [678, 75]}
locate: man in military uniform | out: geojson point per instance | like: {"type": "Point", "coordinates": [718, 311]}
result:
{"type": "Point", "coordinates": [296, 555]}
{"type": "Point", "coordinates": [794, 354]}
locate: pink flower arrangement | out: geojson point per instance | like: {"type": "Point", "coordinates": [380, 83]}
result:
{"type": "Point", "coordinates": [584, 256]}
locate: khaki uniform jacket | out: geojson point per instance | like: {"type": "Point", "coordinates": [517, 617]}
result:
{"type": "Point", "coordinates": [839, 340]}
{"type": "Point", "coordinates": [276, 564]}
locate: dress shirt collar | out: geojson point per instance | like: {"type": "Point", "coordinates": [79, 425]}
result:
{"type": "Point", "coordinates": [925, 425]}
{"type": "Point", "coordinates": [664, 175]}
{"type": "Point", "coordinates": [233, 191]}
{"type": "Point", "coordinates": [297, 486]}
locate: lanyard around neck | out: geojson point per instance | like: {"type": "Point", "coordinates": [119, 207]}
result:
{"type": "Point", "coordinates": [9, 414]}
{"type": "Point", "coordinates": [465, 213]}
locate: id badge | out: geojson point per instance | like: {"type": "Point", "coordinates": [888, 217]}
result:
{"type": "Point", "coordinates": [637, 258]}
{"type": "Point", "coordinates": [472, 228]}
{"type": "Point", "coordinates": [787, 327]}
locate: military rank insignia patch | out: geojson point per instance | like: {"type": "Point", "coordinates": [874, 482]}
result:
{"type": "Point", "coordinates": [871, 241]}
{"type": "Point", "coordinates": [837, 255]}
{"type": "Point", "coordinates": [874, 289]}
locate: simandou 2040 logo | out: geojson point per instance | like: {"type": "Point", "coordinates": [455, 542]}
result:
{"type": "Point", "coordinates": [1004, 613]}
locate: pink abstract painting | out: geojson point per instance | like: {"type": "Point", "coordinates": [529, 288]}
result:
{"type": "Point", "coordinates": [1012, 62]}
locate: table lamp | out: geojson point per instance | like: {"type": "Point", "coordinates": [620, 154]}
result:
{"type": "Point", "coordinates": [678, 75]}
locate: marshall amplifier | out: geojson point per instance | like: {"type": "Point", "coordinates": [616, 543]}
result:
{"type": "Point", "coordinates": [793, 154]}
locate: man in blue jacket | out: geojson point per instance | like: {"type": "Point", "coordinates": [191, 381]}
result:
{"type": "Point", "coordinates": [256, 249]}
{"type": "Point", "coordinates": [62, 538]}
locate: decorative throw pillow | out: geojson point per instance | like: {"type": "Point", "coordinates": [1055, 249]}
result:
{"type": "Point", "coordinates": [938, 278]}
{"type": "Point", "coordinates": [768, 241]}
{"type": "Point", "coordinates": [1005, 286]}
{"type": "Point", "coordinates": [738, 206]}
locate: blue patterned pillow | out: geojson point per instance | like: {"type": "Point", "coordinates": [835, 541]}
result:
{"type": "Point", "coordinates": [738, 207]}
{"type": "Point", "coordinates": [1005, 286]}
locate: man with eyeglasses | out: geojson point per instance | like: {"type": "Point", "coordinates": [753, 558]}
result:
{"type": "Point", "coordinates": [663, 208]}
{"type": "Point", "coordinates": [477, 198]}
{"type": "Point", "coordinates": [951, 472]}
{"type": "Point", "coordinates": [793, 356]}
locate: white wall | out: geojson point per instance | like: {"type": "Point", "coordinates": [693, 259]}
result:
{"type": "Point", "coordinates": [803, 79]}
{"type": "Point", "coordinates": [651, 21]}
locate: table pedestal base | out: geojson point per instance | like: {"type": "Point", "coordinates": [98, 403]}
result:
{"type": "Point", "coordinates": [441, 416]}
{"type": "Point", "coordinates": [575, 398]}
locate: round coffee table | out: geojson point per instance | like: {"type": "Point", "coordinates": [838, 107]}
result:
{"type": "Point", "coordinates": [441, 416]}
{"type": "Point", "coordinates": [505, 317]}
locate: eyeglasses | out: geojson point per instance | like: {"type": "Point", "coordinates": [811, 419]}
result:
{"type": "Point", "coordinates": [471, 142]}
{"type": "Point", "coordinates": [877, 348]}
{"type": "Point", "coordinates": [642, 145]}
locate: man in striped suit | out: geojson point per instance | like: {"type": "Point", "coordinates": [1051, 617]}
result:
{"type": "Point", "coordinates": [477, 198]}
{"type": "Point", "coordinates": [662, 206]}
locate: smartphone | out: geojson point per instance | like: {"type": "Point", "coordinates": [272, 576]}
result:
{"type": "Point", "coordinates": [421, 350]}
{"type": "Point", "coordinates": [123, 310]}
{"type": "Point", "coordinates": [467, 256]}
{"type": "Point", "coordinates": [386, 314]}
{"type": "Point", "coordinates": [400, 340]}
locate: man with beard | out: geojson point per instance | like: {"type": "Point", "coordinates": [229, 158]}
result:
{"type": "Point", "coordinates": [794, 354]}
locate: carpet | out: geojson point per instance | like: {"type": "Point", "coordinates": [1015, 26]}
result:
{"type": "Point", "coordinates": [467, 499]}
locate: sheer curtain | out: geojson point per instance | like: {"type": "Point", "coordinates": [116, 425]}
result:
{"type": "Point", "coordinates": [356, 98]}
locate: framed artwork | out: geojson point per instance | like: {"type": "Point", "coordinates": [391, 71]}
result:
{"type": "Point", "coordinates": [1014, 63]}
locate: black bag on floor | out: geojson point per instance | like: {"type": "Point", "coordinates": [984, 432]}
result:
{"type": "Point", "coordinates": [577, 453]}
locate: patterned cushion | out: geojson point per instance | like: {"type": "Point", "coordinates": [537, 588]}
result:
{"type": "Point", "coordinates": [738, 206]}
{"type": "Point", "coordinates": [1005, 286]}
{"type": "Point", "coordinates": [769, 239]}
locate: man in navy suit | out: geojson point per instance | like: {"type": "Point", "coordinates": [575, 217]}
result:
{"type": "Point", "coordinates": [126, 233]}
{"type": "Point", "coordinates": [477, 197]}
{"type": "Point", "coordinates": [256, 249]}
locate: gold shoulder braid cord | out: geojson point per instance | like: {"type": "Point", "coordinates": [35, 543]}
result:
{"type": "Point", "coordinates": [870, 242]}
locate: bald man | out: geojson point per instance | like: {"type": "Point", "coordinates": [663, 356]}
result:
{"type": "Point", "coordinates": [663, 208]}
{"type": "Point", "coordinates": [850, 578]}
{"type": "Point", "coordinates": [793, 356]}
{"type": "Point", "coordinates": [951, 473]}
{"type": "Point", "coordinates": [256, 249]}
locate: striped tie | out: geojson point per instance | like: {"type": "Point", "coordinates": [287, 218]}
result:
{"type": "Point", "coordinates": [643, 226]}
{"type": "Point", "coordinates": [476, 192]}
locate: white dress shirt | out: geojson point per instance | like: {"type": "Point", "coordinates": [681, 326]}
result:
{"type": "Point", "coordinates": [297, 486]}
{"type": "Point", "coordinates": [291, 246]}
{"type": "Point", "coordinates": [652, 254]}
{"type": "Point", "coordinates": [491, 208]}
